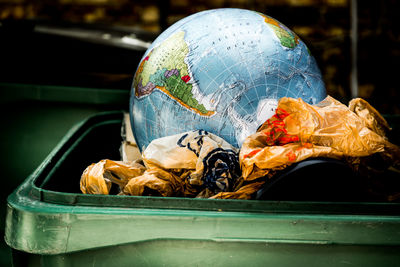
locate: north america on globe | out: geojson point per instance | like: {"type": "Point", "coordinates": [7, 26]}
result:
{"type": "Point", "coordinates": [222, 71]}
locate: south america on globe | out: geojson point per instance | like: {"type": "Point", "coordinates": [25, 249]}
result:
{"type": "Point", "coordinates": [222, 71]}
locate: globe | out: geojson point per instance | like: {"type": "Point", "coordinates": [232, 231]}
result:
{"type": "Point", "coordinates": [222, 71]}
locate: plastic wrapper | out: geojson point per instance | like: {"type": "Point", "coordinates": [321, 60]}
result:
{"type": "Point", "coordinates": [245, 191]}
{"type": "Point", "coordinates": [99, 177]}
{"type": "Point", "coordinates": [371, 117]}
{"type": "Point", "coordinates": [195, 163]}
{"type": "Point", "coordinates": [329, 129]}
{"type": "Point", "coordinates": [155, 182]}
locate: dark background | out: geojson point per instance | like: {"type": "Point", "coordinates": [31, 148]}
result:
{"type": "Point", "coordinates": [325, 25]}
{"type": "Point", "coordinates": [49, 47]}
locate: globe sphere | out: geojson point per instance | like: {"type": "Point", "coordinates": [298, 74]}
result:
{"type": "Point", "coordinates": [222, 71]}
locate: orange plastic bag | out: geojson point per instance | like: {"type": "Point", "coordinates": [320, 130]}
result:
{"type": "Point", "coordinates": [98, 177]}
{"type": "Point", "coordinates": [155, 182]}
{"type": "Point", "coordinates": [329, 129]}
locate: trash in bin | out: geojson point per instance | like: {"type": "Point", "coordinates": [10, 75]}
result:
{"type": "Point", "coordinates": [195, 163]}
{"type": "Point", "coordinates": [299, 131]}
{"type": "Point", "coordinates": [201, 164]}
{"type": "Point", "coordinates": [99, 177]}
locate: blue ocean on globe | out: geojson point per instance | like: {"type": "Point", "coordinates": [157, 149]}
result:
{"type": "Point", "coordinates": [222, 71]}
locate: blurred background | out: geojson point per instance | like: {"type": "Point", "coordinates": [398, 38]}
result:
{"type": "Point", "coordinates": [336, 31]}
{"type": "Point", "coordinates": [64, 60]}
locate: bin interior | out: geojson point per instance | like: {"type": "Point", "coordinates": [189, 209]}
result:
{"type": "Point", "coordinates": [101, 141]}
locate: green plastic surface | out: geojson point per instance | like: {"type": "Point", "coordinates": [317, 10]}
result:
{"type": "Point", "coordinates": [34, 120]}
{"type": "Point", "coordinates": [50, 223]}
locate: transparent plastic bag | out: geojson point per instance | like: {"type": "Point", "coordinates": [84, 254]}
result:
{"type": "Point", "coordinates": [329, 129]}
{"type": "Point", "coordinates": [98, 177]}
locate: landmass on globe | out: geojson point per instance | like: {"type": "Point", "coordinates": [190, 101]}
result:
{"type": "Point", "coordinates": [287, 38]}
{"type": "Point", "coordinates": [171, 77]}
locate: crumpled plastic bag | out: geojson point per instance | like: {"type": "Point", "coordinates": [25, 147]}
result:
{"type": "Point", "coordinates": [98, 177]}
{"type": "Point", "coordinates": [371, 117]}
{"type": "Point", "coordinates": [299, 131]}
{"type": "Point", "coordinates": [155, 182]}
{"type": "Point", "coordinates": [195, 163]}
{"type": "Point", "coordinates": [244, 191]}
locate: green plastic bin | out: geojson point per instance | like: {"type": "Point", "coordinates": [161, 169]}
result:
{"type": "Point", "coordinates": [50, 223]}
